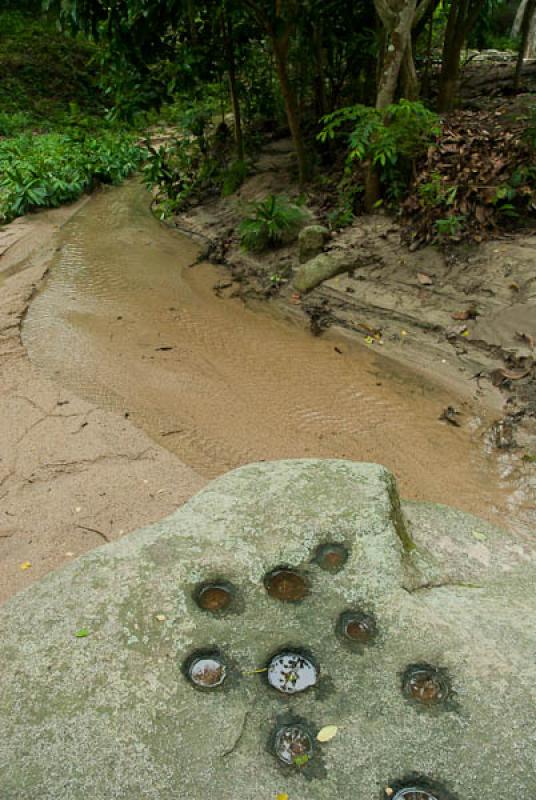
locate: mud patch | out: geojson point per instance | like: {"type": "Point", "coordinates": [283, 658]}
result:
{"type": "Point", "coordinates": [124, 322]}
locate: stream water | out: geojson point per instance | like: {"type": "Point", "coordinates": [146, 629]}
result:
{"type": "Point", "coordinates": [124, 322]}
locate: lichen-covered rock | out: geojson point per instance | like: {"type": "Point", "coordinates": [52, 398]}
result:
{"type": "Point", "coordinates": [415, 636]}
{"type": "Point", "coordinates": [319, 269]}
{"type": "Point", "coordinates": [312, 240]}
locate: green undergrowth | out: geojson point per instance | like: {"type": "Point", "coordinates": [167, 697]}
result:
{"type": "Point", "coordinates": [56, 140]}
{"type": "Point", "coordinates": [44, 73]}
{"type": "Point", "coordinates": [48, 170]}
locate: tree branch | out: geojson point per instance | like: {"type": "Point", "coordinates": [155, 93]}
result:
{"type": "Point", "coordinates": [422, 8]}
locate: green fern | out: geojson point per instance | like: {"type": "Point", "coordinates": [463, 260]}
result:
{"type": "Point", "coordinates": [271, 222]}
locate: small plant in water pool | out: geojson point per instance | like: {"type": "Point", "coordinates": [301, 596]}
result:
{"type": "Point", "coordinates": [270, 222]}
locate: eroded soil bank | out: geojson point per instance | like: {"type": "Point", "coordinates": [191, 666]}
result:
{"type": "Point", "coordinates": [125, 322]}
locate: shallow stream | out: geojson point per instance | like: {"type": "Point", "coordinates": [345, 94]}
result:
{"type": "Point", "coordinates": [125, 322]}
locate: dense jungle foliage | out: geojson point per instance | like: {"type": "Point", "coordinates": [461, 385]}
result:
{"type": "Point", "coordinates": [363, 88]}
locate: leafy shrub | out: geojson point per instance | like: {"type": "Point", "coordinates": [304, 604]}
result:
{"type": "Point", "coordinates": [179, 171]}
{"type": "Point", "coordinates": [234, 177]}
{"type": "Point", "coordinates": [451, 226]}
{"type": "Point", "coordinates": [45, 171]}
{"type": "Point", "coordinates": [192, 166]}
{"type": "Point", "coordinates": [389, 140]}
{"type": "Point", "coordinates": [11, 124]}
{"type": "Point", "coordinates": [271, 222]}
{"type": "Point", "coordinates": [437, 192]}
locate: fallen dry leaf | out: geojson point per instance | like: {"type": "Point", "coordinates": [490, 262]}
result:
{"type": "Point", "coordinates": [326, 733]}
{"type": "Point", "coordinates": [468, 313]}
{"type": "Point", "coordinates": [500, 375]}
{"type": "Point", "coordinates": [26, 565]}
{"type": "Point", "coordinates": [526, 337]}
{"type": "Point", "coordinates": [282, 796]}
{"type": "Point", "coordinates": [424, 279]}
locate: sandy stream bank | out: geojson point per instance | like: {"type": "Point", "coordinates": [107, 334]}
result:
{"type": "Point", "coordinates": [72, 476]}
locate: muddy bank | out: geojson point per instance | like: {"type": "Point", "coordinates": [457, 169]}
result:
{"type": "Point", "coordinates": [466, 316]}
{"type": "Point", "coordinates": [72, 476]}
{"type": "Point", "coordinates": [125, 322]}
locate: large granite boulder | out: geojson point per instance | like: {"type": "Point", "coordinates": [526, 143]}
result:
{"type": "Point", "coordinates": [413, 627]}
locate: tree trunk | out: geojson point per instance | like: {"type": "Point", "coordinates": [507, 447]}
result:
{"type": "Point", "coordinates": [398, 25]}
{"type": "Point", "coordinates": [520, 13]}
{"type": "Point", "coordinates": [372, 193]}
{"type": "Point", "coordinates": [462, 18]}
{"type": "Point", "coordinates": [526, 27]}
{"type": "Point", "coordinates": [227, 26]}
{"type": "Point", "coordinates": [531, 45]}
{"type": "Point", "coordinates": [279, 34]}
{"type": "Point", "coordinates": [320, 86]}
{"type": "Point", "coordinates": [410, 80]}
{"type": "Point", "coordinates": [280, 48]}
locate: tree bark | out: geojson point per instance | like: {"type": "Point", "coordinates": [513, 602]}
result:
{"type": "Point", "coordinates": [398, 24]}
{"type": "Point", "coordinates": [320, 85]}
{"type": "Point", "coordinates": [410, 82]}
{"type": "Point", "coordinates": [518, 20]}
{"type": "Point", "coordinates": [526, 28]}
{"type": "Point", "coordinates": [462, 18]}
{"type": "Point", "coordinates": [227, 26]}
{"type": "Point", "coordinates": [425, 85]}
{"type": "Point", "coordinates": [280, 48]}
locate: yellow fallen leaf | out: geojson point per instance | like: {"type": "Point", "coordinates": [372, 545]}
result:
{"type": "Point", "coordinates": [255, 671]}
{"type": "Point", "coordinates": [326, 733]}
{"type": "Point", "coordinates": [465, 333]}
{"type": "Point", "coordinates": [369, 340]}
{"type": "Point", "coordinates": [282, 796]}
{"type": "Point", "coordinates": [26, 565]}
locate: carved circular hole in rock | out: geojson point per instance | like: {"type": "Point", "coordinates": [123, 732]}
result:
{"type": "Point", "coordinates": [294, 744]}
{"type": "Point", "coordinates": [425, 684]}
{"type": "Point", "coordinates": [214, 596]}
{"type": "Point", "coordinates": [414, 793]}
{"type": "Point", "coordinates": [331, 557]}
{"type": "Point", "coordinates": [206, 670]}
{"type": "Point", "coordinates": [286, 584]}
{"type": "Point", "coordinates": [291, 672]}
{"type": "Point", "coordinates": [357, 627]}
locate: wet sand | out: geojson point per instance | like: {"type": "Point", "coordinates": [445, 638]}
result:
{"type": "Point", "coordinates": [125, 323]}
{"type": "Point", "coordinates": [72, 476]}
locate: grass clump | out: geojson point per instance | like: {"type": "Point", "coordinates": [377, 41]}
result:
{"type": "Point", "coordinates": [271, 222]}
